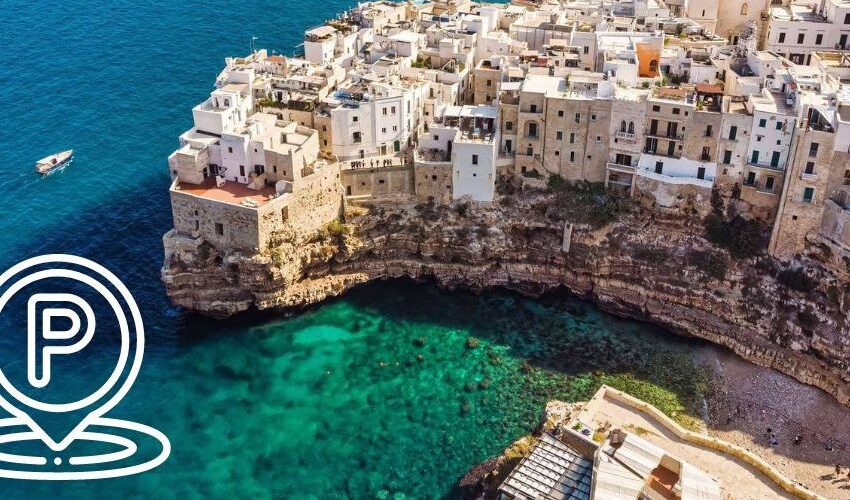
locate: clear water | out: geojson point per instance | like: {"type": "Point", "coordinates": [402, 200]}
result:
{"type": "Point", "coordinates": [330, 403]}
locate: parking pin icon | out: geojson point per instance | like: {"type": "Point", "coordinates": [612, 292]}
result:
{"type": "Point", "coordinates": [59, 326]}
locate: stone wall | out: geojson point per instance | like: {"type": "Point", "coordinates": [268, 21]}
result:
{"type": "Point", "coordinates": [433, 181]}
{"type": "Point", "coordinates": [797, 218]}
{"type": "Point", "coordinates": [378, 182]}
{"type": "Point", "coordinates": [224, 225]}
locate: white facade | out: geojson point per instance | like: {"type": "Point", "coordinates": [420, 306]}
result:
{"type": "Point", "coordinates": [677, 170]}
{"type": "Point", "coordinates": [771, 132]}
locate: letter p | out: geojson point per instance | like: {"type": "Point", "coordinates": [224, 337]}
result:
{"type": "Point", "coordinates": [41, 345]}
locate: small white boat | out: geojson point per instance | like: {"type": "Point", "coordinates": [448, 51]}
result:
{"type": "Point", "coordinates": [50, 163]}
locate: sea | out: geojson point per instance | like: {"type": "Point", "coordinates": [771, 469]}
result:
{"type": "Point", "coordinates": [392, 391]}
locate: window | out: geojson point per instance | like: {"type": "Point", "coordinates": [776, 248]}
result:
{"type": "Point", "coordinates": [810, 167]}
{"type": "Point", "coordinates": [768, 183]}
{"type": "Point", "coordinates": [533, 108]}
{"type": "Point", "coordinates": [572, 138]}
{"type": "Point", "coordinates": [578, 117]}
{"type": "Point", "coordinates": [559, 135]}
{"type": "Point", "coordinates": [676, 111]}
{"type": "Point", "coordinates": [631, 127]}
{"type": "Point", "coordinates": [763, 122]}
{"type": "Point", "coordinates": [561, 112]}
{"type": "Point", "coordinates": [509, 125]}
{"type": "Point", "coordinates": [846, 18]}
{"type": "Point", "coordinates": [733, 132]}
{"type": "Point", "coordinates": [813, 150]}
{"type": "Point", "coordinates": [808, 194]}
{"type": "Point", "coordinates": [782, 38]}
{"type": "Point", "coordinates": [392, 110]}
{"type": "Point", "coordinates": [436, 138]}
{"type": "Point", "coordinates": [384, 130]}
{"type": "Point", "coordinates": [489, 83]}
{"type": "Point", "coordinates": [219, 228]}
{"type": "Point", "coordinates": [653, 66]}
{"type": "Point", "coordinates": [355, 119]}
{"type": "Point", "coordinates": [381, 181]}
{"type": "Point", "coordinates": [623, 126]}
{"type": "Point", "coordinates": [759, 138]}
{"type": "Point", "coordinates": [779, 125]}
{"type": "Point", "coordinates": [532, 129]}
{"type": "Point", "coordinates": [529, 151]}
{"type": "Point", "coordinates": [598, 139]}
{"type": "Point", "coordinates": [229, 149]}
{"type": "Point", "coordinates": [727, 157]}
{"type": "Point", "coordinates": [818, 38]}
{"type": "Point", "coordinates": [706, 154]}
{"type": "Point", "coordinates": [708, 131]}
{"type": "Point", "coordinates": [751, 179]}
{"type": "Point", "coordinates": [593, 118]}
{"type": "Point", "coordinates": [659, 167]}
{"type": "Point", "coordinates": [385, 111]}
{"type": "Point", "coordinates": [744, 9]}
{"type": "Point", "coordinates": [572, 156]}
{"type": "Point", "coordinates": [755, 158]}
{"type": "Point", "coordinates": [586, 49]}
{"type": "Point", "coordinates": [656, 109]}
{"type": "Point", "coordinates": [475, 159]}
{"type": "Point", "coordinates": [242, 170]}
{"type": "Point", "coordinates": [801, 37]}
{"type": "Point", "coordinates": [356, 137]}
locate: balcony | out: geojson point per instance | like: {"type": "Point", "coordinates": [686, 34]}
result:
{"type": "Point", "coordinates": [765, 167]}
{"type": "Point", "coordinates": [678, 136]}
{"type": "Point", "coordinates": [625, 136]}
{"type": "Point", "coordinates": [809, 177]}
{"type": "Point", "coordinates": [627, 169]}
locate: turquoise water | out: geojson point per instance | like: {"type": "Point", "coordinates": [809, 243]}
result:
{"type": "Point", "coordinates": [334, 402]}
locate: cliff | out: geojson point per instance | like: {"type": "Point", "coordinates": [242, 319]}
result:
{"type": "Point", "coordinates": [631, 261]}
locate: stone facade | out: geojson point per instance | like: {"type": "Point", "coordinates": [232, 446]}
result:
{"type": "Point", "coordinates": [379, 182]}
{"type": "Point", "coordinates": [802, 205]}
{"type": "Point", "coordinates": [433, 182]}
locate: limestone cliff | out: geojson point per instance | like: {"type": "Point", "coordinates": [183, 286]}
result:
{"type": "Point", "coordinates": [644, 265]}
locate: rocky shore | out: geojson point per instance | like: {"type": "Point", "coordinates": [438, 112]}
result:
{"type": "Point", "coordinates": [640, 263]}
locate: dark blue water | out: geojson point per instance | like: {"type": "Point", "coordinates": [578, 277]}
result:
{"type": "Point", "coordinates": [368, 396]}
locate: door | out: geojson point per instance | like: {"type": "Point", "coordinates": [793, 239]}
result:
{"type": "Point", "coordinates": [508, 146]}
{"type": "Point", "coordinates": [397, 146]}
{"type": "Point", "coordinates": [671, 148]}
{"type": "Point", "coordinates": [774, 159]}
{"type": "Point", "coordinates": [843, 41]}
{"type": "Point", "coordinates": [755, 158]}
{"type": "Point", "coordinates": [701, 173]}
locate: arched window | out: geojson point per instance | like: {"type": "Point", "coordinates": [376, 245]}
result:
{"type": "Point", "coordinates": [653, 66]}
{"type": "Point", "coordinates": [631, 127]}
{"type": "Point", "coordinates": [623, 126]}
{"type": "Point", "coordinates": [744, 9]}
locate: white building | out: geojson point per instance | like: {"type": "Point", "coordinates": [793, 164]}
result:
{"type": "Point", "coordinates": [468, 135]}
{"type": "Point", "coordinates": [774, 121]}
{"type": "Point", "coordinates": [375, 118]}
{"type": "Point", "coordinates": [798, 29]}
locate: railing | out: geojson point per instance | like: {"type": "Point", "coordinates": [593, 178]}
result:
{"type": "Point", "coordinates": [621, 168]}
{"type": "Point", "coordinates": [625, 136]}
{"type": "Point", "coordinates": [677, 136]}
{"type": "Point", "coordinates": [767, 167]}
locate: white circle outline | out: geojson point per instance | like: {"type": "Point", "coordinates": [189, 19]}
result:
{"type": "Point", "coordinates": [122, 357]}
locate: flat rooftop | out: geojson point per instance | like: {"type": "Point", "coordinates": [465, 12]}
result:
{"type": "Point", "coordinates": [232, 193]}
